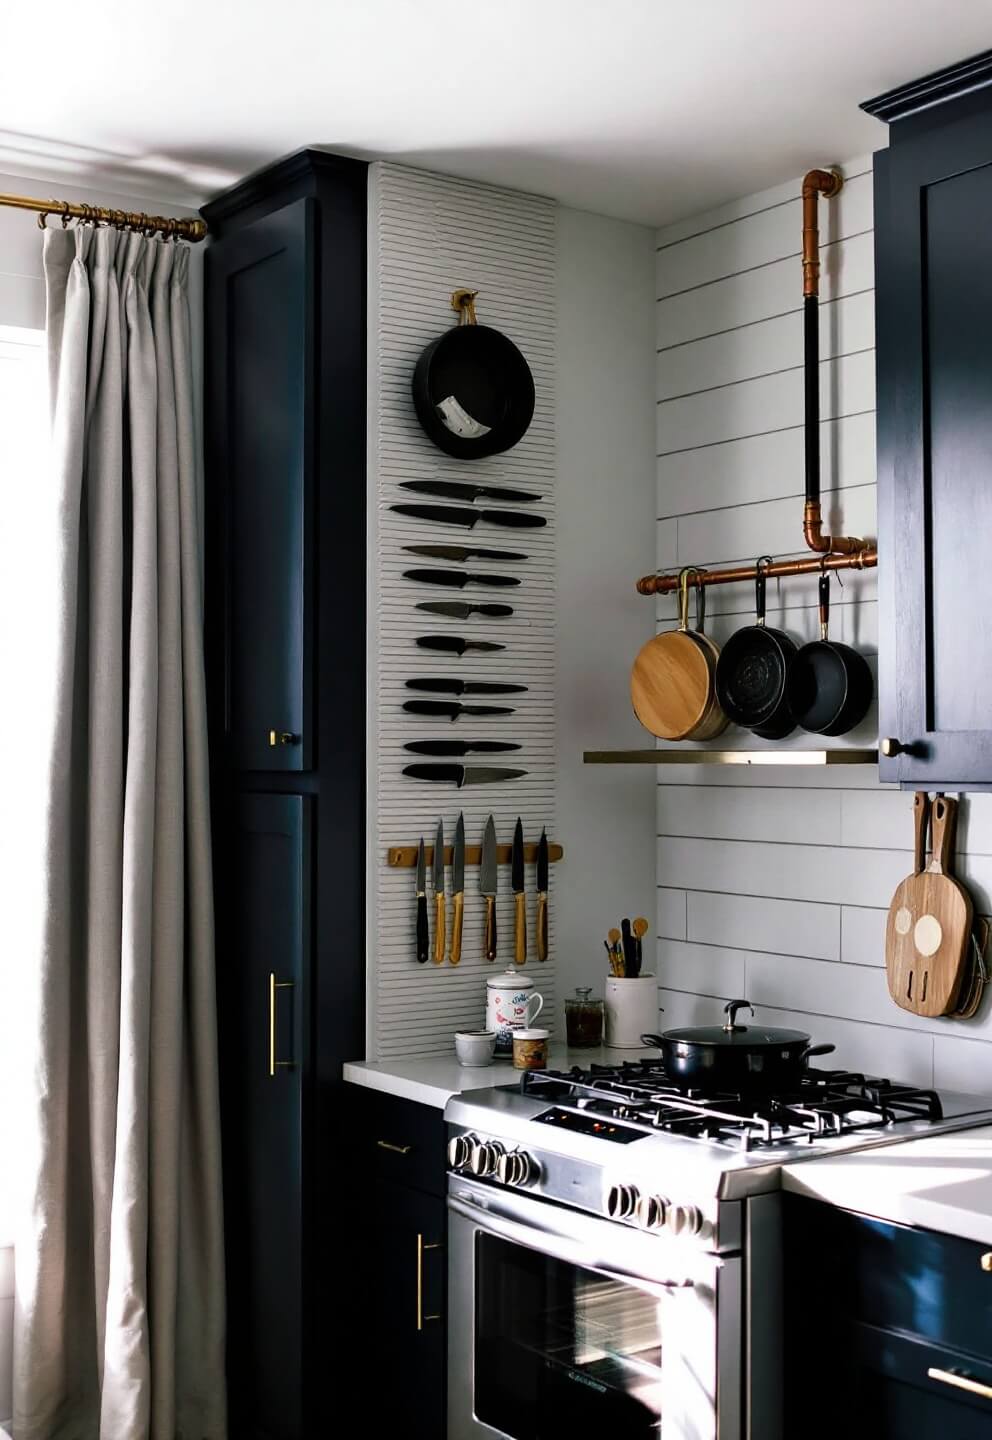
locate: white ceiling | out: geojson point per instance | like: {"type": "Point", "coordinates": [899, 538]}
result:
{"type": "Point", "coordinates": [647, 109]}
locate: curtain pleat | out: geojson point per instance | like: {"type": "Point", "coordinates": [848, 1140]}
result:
{"type": "Point", "coordinates": [119, 1330]}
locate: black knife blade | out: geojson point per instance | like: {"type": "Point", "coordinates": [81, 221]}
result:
{"type": "Point", "coordinates": [452, 708]}
{"type": "Point", "coordinates": [456, 515]}
{"type": "Point", "coordinates": [519, 896]}
{"type": "Point", "coordinates": [457, 577]}
{"type": "Point", "coordinates": [465, 687]}
{"type": "Point", "coordinates": [423, 939]}
{"type": "Point", "coordinates": [459, 610]}
{"type": "Point", "coordinates": [456, 644]}
{"type": "Point", "coordinates": [462, 774]}
{"type": "Point", "coordinates": [457, 490]}
{"type": "Point", "coordinates": [461, 553]}
{"type": "Point", "coordinates": [460, 747]}
{"type": "Point", "coordinates": [542, 896]}
{"type": "Point", "coordinates": [517, 858]}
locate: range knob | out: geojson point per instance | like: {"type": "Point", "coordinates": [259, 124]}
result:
{"type": "Point", "coordinates": [621, 1201]}
{"type": "Point", "coordinates": [484, 1157]}
{"type": "Point", "coordinates": [515, 1168]}
{"type": "Point", "coordinates": [459, 1151]}
{"type": "Point", "coordinates": [653, 1211]}
{"type": "Point", "coordinates": [686, 1219]}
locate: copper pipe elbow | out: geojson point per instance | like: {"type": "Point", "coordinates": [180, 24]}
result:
{"type": "Point", "coordinates": [826, 544]}
{"type": "Point", "coordinates": [815, 183]}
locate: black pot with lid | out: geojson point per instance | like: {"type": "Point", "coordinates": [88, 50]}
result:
{"type": "Point", "coordinates": [737, 1059]}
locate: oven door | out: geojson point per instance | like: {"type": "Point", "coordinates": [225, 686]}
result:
{"type": "Point", "coordinates": [562, 1325]}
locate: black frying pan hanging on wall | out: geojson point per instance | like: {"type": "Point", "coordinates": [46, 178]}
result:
{"type": "Point", "coordinates": [472, 388]}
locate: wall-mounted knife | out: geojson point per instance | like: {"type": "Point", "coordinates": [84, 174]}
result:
{"type": "Point", "coordinates": [542, 896]}
{"type": "Point", "coordinates": [457, 890]}
{"type": "Point", "coordinates": [452, 709]}
{"type": "Point", "coordinates": [456, 490]}
{"type": "Point", "coordinates": [457, 577]}
{"type": "Point", "coordinates": [437, 874]}
{"type": "Point", "coordinates": [519, 895]}
{"type": "Point", "coordinates": [460, 610]}
{"type": "Point", "coordinates": [462, 775]}
{"type": "Point", "coordinates": [455, 515]}
{"type": "Point", "coordinates": [423, 939]}
{"type": "Point", "coordinates": [460, 747]}
{"type": "Point", "coordinates": [456, 644]}
{"type": "Point", "coordinates": [461, 553]}
{"type": "Point", "coordinates": [488, 882]}
{"type": "Point", "coordinates": [465, 687]}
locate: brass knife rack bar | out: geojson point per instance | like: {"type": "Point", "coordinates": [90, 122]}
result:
{"type": "Point", "coordinates": [404, 857]}
{"type": "Point", "coordinates": [831, 552]}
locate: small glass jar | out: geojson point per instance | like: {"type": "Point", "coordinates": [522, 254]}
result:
{"type": "Point", "coordinates": [583, 1020]}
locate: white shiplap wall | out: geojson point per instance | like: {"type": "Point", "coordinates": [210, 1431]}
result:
{"type": "Point", "coordinates": [430, 234]}
{"type": "Point", "coordinates": [775, 884]}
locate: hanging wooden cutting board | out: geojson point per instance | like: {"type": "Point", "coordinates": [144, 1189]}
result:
{"type": "Point", "coordinates": [929, 926]}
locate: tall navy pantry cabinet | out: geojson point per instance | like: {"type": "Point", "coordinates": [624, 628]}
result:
{"type": "Point", "coordinates": [933, 279]}
{"type": "Point", "coordinates": [285, 570]}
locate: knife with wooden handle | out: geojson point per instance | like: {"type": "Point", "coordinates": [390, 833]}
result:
{"type": "Point", "coordinates": [423, 938]}
{"type": "Point", "coordinates": [440, 919]}
{"type": "Point", "coordinates": [519, 895]}
{"type": "Point", "coordinates": [458, 890]}
{"type": "Point", "coordinates": [488, 882]}
{"type": "Point", "coordinates": [542, 897]}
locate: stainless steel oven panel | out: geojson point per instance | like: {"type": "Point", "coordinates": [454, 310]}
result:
{"type": "Point", "coordinates": [764, 1356]}
{"type": "Point", "coordinates": [700, 1296]}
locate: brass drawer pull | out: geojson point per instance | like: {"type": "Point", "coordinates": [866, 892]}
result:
{"type": "Point", "coordinates": [961, 1382]}
{"type": "Point", "coordinates": [282, 737]}
{"type": "Point", "coordinates": [422, 1319]}
{"type": "Point", "coordinates": [396, 1149]}
{"type": "Point", "coordinates": [275, 1064]}
{"type": "Point", "coordinates": [986, 1262]}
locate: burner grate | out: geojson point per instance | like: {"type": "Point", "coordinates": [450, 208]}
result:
{"type": "Point", "coordinates": [639, 1094]}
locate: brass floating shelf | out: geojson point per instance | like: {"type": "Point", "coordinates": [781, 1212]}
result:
{"type": "Point", "coordinates": [404, 857]}
{"type": "Point", "coordinates": [731, 757]}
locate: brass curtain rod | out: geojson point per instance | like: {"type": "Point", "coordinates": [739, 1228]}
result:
{"type": "Point", "coordinates": [170, 227]}
{"type": "Point", "coordinates": [865, 559]}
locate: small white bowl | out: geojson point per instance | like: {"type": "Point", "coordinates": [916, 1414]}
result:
{"type": "Point", "coordinates": [475, 1047]}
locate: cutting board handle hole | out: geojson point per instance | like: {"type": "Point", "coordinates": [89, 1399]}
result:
{"type": "Point", "coordinates": [923, 992]}
{"type": "Point", "coordinates": [909, 987]}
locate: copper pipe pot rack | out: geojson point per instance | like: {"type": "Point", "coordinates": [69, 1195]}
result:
{"type": "Point", "coordinates": [865, 559]}
{"type": "Point", "coordinates": [830, 552]}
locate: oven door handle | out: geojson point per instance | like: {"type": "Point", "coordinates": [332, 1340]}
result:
{"type": "Point", "coordinates": [559, 1247]}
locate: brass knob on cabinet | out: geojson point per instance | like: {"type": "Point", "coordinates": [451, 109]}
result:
{"type": "Point", "coordinates": [986, 1262]}
{"type": "Point", "coordinates": [891, 748]}
{"type": "Point", "coordinates": [282, 737]}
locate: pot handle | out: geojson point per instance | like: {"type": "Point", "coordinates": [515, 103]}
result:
{"type": "Point", "coordinates": [730, 1010]}
{"type": "Point", "coordinates": [817, 1050]}
{"type": "Point", "coordinates": [652, 1042]}
{"type": "Point", "coordinates": [759, 588]}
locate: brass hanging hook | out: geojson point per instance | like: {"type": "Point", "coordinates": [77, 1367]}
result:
{"type": "Point", "coordinates": [464, 302]}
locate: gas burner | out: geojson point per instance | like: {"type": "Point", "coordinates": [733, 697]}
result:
{"type": "Point", "coordinates": [640, 1096]}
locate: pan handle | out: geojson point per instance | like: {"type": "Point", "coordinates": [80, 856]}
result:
{"type": "Point", "coordinates": [700, 602]}
{"type": "Point", "coordinates": [759, 588]}
{"type": "Point", "coordinates": [824, 594]}
{"type": "Point", "coordinates": [812, 1050]}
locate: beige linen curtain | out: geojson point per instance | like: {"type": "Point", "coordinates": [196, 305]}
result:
{"type": "Point", "coordinates": [119, 1330]}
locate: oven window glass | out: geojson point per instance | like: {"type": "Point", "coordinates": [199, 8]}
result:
{"type": "Point", "coordinates": [561, 1352]}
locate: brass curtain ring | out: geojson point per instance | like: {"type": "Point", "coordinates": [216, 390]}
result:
{"type": "Point", "coordinates": [66, 214]}
{"type": "Point", "coordinates": [42, 219]}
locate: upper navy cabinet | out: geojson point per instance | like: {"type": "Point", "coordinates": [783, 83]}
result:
{"type": "Point", "coordinates": [933, 217]}
{"type": "Point", "coordinates": [263, 429]}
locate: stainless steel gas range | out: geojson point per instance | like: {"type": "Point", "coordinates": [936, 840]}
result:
{"type": "Point", "coordinates": [614, 1246]}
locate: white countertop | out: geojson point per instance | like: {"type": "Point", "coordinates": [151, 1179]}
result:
{"type": "Point", "coordinates": [942, 1182]}
{"type": "Point", "coordinates": [432, 1080]}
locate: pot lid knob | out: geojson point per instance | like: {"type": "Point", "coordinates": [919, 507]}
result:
{"type": "Point", "coordinates": [730, 1010]}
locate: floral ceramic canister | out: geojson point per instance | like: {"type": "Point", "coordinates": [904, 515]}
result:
{"type": "Point", "coordinates": [512, 1003]}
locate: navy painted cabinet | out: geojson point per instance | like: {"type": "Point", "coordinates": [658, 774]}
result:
{"type": "Point", "coordinates": [285, 623]}
{"type": "Point", "coordinates": [933, 213]}
{"type": "Point", "coordinates": [888, 1329]}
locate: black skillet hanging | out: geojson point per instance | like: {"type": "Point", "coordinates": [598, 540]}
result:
{"type": "Point", "coordinates": [751, 673]}
{"type": "Point", "coordinates": [830, 685]}
{"type": "Point", "coordinates": [472, 388]}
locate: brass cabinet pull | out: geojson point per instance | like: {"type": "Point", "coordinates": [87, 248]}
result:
{"type": "Point", "coordinates": [961, 1382]}
{"type": "Point", "coordinates": [275, 985]}
{"type": "Point", "coordinates": [422, 1319]}
{"type": "Point", "coordinates": [282, 737]}
{"type": "Point", "coordinates": [396, 1149]}
{"type": "Point", "coordinates": [986, 1262]}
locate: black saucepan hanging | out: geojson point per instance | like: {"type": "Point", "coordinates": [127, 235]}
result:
{"type": "Point", "coordinates": [830, 685]}
{"type": "Point", "coordinates": [751, 673]}
{"type": "Point", "coordinates": [472, 388]}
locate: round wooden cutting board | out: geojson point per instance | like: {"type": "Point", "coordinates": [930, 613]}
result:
{"type": "Point", "coordinates": [671, 685]}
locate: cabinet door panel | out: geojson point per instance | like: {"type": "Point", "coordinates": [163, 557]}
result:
{"type": "Point", "coordinates": [935, 454]}
{"type": "Point", "coordinates": [261, 376]}
{"type": "Point", "coordinates": [266, 923]}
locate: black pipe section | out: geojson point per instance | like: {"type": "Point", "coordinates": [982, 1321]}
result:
{"type": "Point", "coordinates": [811, 378]}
